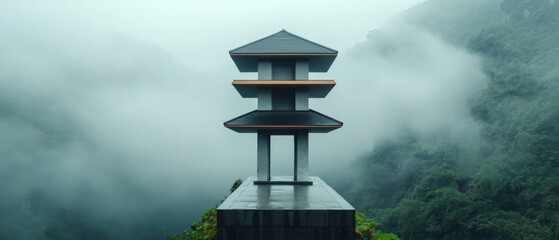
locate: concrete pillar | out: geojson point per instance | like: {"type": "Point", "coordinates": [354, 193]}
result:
{"type": "Point", "coordinates": [265, 70]}
{"type": "Point", "coordinates": [301, 138]}
{"type": "Point", "coordinates": [301, 99]}
{"type": "Point", "coordinates": [302, 69]}
{"type": "Point", "coordinates": [302, 94]}
{"type": "Point", "coordinates": [264, 99]}
{"type": "Point", "coordinates": [283, 98]}
{"type": "Point", "coordinates": [301, 196]}
{"type": "Point", "coordinates": [264, 94]}
{"type": "Point", "coordinates": [263, 196]}
{"type": "Point", "coordinates": [263, 156]}
{"type": "Point", "coordinates": [301, 171]}
{"type": "Point", "coordinates": [283, 70]}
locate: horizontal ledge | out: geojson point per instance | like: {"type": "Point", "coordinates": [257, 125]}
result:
{"type": "Point", "coordinates": [316, 88]}
{"type": "Point", "coordinates": [277, 182]}
{"type": "Point", "coordinates": [284, 82]}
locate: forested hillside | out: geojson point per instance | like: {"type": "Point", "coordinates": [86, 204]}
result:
{"type": "Point", "coordinates": [503, 184]}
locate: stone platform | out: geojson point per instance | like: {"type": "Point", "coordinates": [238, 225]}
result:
{"type": "Point", "coordinates": [285, 212]}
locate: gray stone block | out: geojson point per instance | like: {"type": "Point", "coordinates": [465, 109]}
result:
{"type": "Point", "coordinates": [296, 218]}
{"type": "Point", "coordinates": [278, 234]}
{"type": "Point", "coordinates": [285, 212]}
{"type": "Point", "coordinates": [226, 233]}
{"type": "Point", "coordinates": [342, 218]}
{"type": "Point", "coordinates": [319, 234]}
{"type": "Point", "coordinates": [246, 218]}
{"type": "Point", "coordinates": [247, 233]}
{"type": "Point", "coordinates": [342, 233]}
{"type": "Point", "coordinates": [318, 218]}
{"type": "Point", "coordinates": [297, 233]}
{"type": "Point", "coordinates": [277, 218]}
{"type": "Point", "coordinates": [226, 218]}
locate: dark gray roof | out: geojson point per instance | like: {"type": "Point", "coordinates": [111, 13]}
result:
{"type": "Point", "coordinates": [283, 121]}
{"type": "Point", "coordinates": [283, 45]}
{"type": "Point", "coordinates": [283, 42]}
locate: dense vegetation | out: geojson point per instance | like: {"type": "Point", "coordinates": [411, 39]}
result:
{"type": "Point", "coordinates": [504, 185]}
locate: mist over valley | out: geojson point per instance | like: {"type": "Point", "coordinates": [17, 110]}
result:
{"type": "Point", "coordinates": [111, 118]}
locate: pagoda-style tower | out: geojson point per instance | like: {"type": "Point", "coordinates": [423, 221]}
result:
{"type": "Point", "coordinates": [283, 62]}
{"type": "Point", "coordinates": [298, 207]}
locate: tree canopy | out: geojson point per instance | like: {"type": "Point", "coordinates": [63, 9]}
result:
{"type": "Point", "coordinates": [505, 185]}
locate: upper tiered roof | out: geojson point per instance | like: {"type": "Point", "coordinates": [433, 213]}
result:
{"type": "Point", "coordinates": [283, 45]}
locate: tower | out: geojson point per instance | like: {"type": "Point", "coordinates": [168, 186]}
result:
{"type": "Point", "coordinates": [301, 206]}
{"type": "Point", "coordinates": [283, 62]}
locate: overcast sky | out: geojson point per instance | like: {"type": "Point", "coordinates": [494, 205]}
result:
{"type": "Point", "coordinates": [151, 79]}
{"type": "Point", "coordinates": [199, 33]}
{"type": "Point", "coordinates": [161, 66]}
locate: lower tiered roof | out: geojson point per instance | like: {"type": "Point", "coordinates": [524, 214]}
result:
{"type": "Point", "coordinates": [310, 120]}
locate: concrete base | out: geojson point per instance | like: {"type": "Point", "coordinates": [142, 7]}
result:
{"type": "Point", "coordinates": [285, 212]}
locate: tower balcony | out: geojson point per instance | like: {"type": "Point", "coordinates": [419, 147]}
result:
{"type": "Point", "coordinates": [315, 88]}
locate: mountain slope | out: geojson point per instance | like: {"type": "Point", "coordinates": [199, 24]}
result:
{"type": "Point", "coordinates": [504, 185]}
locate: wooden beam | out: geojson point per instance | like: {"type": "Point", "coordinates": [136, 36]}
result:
{"type": "Point", "coordinates": [284, 82]}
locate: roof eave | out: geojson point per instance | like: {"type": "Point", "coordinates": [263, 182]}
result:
{"type": "Point", "coordinates": [317, 62]}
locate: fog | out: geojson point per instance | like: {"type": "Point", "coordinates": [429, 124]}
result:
{"type": "Point", "coordinates": [116, 110]}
